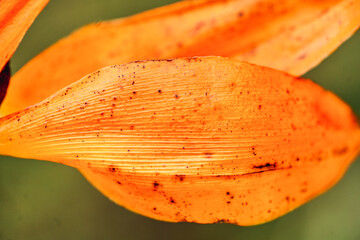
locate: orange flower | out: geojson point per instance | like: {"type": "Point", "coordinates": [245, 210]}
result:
{"type": "Point", "coordinates": [155, 136]}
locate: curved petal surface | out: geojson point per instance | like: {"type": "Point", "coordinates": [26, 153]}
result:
{"type": "Point", "coordinates": [196, 139]}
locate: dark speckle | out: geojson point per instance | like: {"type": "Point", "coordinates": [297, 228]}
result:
{"type": "Point", "coordinates": [340, 151]}
{"type": "Point", "coordinates": [253, 151]}
{"type": "Point", "coordinates": [112, 169]}
{"type": "Point", "coordinates": [172, 201]}
{"type": "Point", "coordinates": [176, 96]}
{"type": "Point", "coordinates": [180, 177]}
{"type": "Point", "coordinates": [156, 185]}
{"type": "Point", "coordinates": [134, 92]}
{"type": "Point", "coordinates": [302, 56]}
{"type": "Point", "coordinates": [266, 165]}
{"type": "Point", "coordinates": [159, 91]}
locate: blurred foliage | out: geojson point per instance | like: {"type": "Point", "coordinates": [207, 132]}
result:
{"type": "Point", "coordinates": [42, 200]}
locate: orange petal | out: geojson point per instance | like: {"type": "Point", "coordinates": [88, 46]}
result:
{"type": "Point", "coordinates": [292, 36]}
{"type": "Point", "coordinates": [198, 139]}
{"type": "Point", "coordinates": [16, 16]}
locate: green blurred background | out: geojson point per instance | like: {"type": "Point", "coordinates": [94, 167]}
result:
{"type": "Point", "coordinates": [42, 200]}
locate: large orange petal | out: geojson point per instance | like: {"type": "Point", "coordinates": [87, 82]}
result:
{"type": "Point", "coordinates": [198, 139]}
{"type": "Point", "coordinates": [289, 35]}
{"type": "Point", "coordinates": [16, 16]}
